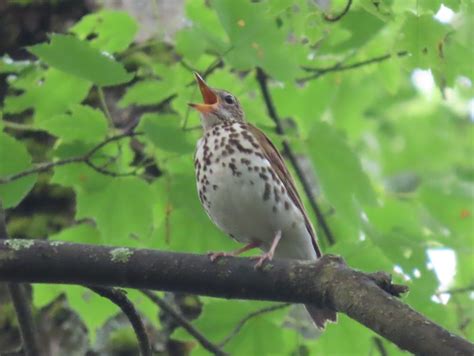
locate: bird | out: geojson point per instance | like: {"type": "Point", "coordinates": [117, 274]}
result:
{"type": "Point", "coordinates": [246, 189]}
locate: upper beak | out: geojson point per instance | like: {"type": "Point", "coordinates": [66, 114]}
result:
{"type": "Point", "coordinates": [210, 99]}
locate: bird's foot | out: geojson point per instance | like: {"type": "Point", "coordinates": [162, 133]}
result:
{"type": "Point", "coordinates": [267, 256]}
{"type": "Point", "coordinates": [214, 256]}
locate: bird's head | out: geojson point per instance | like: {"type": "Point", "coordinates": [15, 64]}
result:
{"type": "Point", "coordinates": [219, 105]}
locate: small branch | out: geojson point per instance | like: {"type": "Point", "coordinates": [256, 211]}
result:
{"type": "Point", "coordinates": [119, 298]}
{"type": "Point", "coordinates": [86, 158]}
{"type": "Point", "coordinates": [106, 172]}
{"type": "Point", "coordinates": [379, 345]}
{"type": "Point", "coordinates": [184, 323]}
{"type": "Point", "coordinates": [105, 108]}
{"type": "Point", "coordinates": [249, 316]}
{"type": "Point", "coordinates": [341, 15]}
{"type": "Point", "coordinates": [262, 81]}
{"type": "Point", "coordinates": [21, 305]}
{"type": "Point", "coordinates": [40, 167]}
{"type": "Point", "coordinates": [326, 282]}
{"type": "Point", "coordinates": [25, 319]}
{"type": "Point", "coordinates": [339, 67]}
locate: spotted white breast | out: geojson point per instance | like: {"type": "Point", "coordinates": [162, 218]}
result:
{"type": "Point", "coordinates": [244, 196]}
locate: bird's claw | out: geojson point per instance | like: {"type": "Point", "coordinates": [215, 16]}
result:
{"type": "Point", "coordinates": [214, 256]}
{"type": "Point", "coordinates": [267, 256]}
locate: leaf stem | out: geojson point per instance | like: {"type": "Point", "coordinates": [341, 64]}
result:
{"type": "Point", "coordinates": [103, 104]}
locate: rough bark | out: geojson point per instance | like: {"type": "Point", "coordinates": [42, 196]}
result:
{"type": "Point", "coordinates": [367, 298]}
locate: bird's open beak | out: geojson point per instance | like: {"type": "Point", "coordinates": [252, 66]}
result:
{"type": "Point", "coordinates": [210, 99]}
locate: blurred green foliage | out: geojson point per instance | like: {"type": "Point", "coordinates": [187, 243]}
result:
{"type": "Point", "coordinates": [393, 163]}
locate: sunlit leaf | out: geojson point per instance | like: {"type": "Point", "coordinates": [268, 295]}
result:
{"type": "Point", "coordinates": [111, 31]}
{"type": "Point", "coordinates": [14, 158]}
{"type": "Point", "coordinates": [82, 123]}
{"type": "Point", "coordinates": [82, 60]}
{"type": "Point", "coordinates": [342, 179]}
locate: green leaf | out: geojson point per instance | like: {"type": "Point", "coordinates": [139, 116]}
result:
{"type": "Point", "coordinates": [255, 39]}
{"type": "Point", "coordinates": [220, 318]}
{"type": "Point", "coordinates": [342, 179]}
{"type": "Point", "coordinates": [164, 132]}
{"type": "Point", "coordinates": [254, 336]}
{"type": "Point", "coordinates": [82, 123]}
{"type": "Point", "coordinates": [122, 209]}
{"type": "Point", "coordinates": [146, 92]}
{"type": "Point", "coordinates": [292, 101]}
{"type": "Point", "coordinates": [350, 33]}
{"type": "Point", "coordinates": [81, 60]}
{"type": "Point", "coordinates": [112, 31]}
{"type": "Point", "coordinates": [452, 204]}
{"type": "Point", "coordinates": [82, 233]}
{"type": "Point", "coordinates": [44, 294]}
{"type": "Point", "coordinates": [93, 309]}
{"type": "Point", "coordinates": [189, 44]}
{"type": "Point", "coordinates": [330, 341]}
{"type": "Point", "coordinates": [423, 37]}
{"type": "Point", "coordinates": [14, 158]}
{"type": "Point", "coordinates": [49, 93]}
{"type": "Point", "coordinates": [153, 91]}
{"type": "Point", "coordinates": [178, 189]}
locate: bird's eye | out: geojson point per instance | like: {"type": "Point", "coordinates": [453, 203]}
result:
{"type": "Point", "coordinates": [229, 99]}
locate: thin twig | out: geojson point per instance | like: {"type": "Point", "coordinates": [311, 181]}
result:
{"type": "Point", "coordinates": [249, 316]}
{"type": "Point", "coordinates": [339, 67]}
{"type": "Point", "coordinates": [184, 323]}
{"type": "Point", "coordinates": [21, 305]}
{"type": "Point", "coordinates": [343, 13]}
{"type": "Point", "coordinates": [380, 346]}
{"type": "Point", "coordinates": [103, 104]}
{"type": "Point", "coordinates": [262, 81]}
{"type": "Point", "coordinates": [119, 298]}
{"type": "Point", "coordinates": [109, 173]}
{"type": "Point", "coordinates": [86, 158]}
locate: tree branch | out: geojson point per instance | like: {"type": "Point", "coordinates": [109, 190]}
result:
{"type": "Point", "coordinates": [262, 81]}
{"type": "Point", "coordinates": [21, 304]}
{"type": "Point", "coordinates": [119, 298]}
{"type": "Point", "coordinates": [184, 323]}
{"type": "Point", "coordinates": [328, 281]}
{"type": "Point", "coordinates": [341, 15]}
{"type": "Point", "coordinates": [85, 158]}
{"type": "Point", "coordinates": [340, 66]}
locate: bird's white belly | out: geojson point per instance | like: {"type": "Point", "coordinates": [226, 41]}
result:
{"type": "Point", "coordinates": [246, 200]}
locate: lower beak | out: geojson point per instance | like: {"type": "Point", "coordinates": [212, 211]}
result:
{"type": "Point", "coordinates": [208, 95]}
{"type": "Point", "coordinates": [204, 108]}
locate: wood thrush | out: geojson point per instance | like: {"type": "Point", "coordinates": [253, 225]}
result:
{"type": "Point", "coordinates": [246, 189]}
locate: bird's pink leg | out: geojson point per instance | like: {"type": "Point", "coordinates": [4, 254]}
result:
{"type": "Point", "coordinates": [215, 255]}
{"type": "Point", "coordinates": [268, 256]}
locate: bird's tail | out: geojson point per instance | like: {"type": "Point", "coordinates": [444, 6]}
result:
{"type": "Point", "coordinates": [321, 316]}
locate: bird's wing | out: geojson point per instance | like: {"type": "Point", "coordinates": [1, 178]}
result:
{"type": "Point", "coordinates": [278, 164]}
